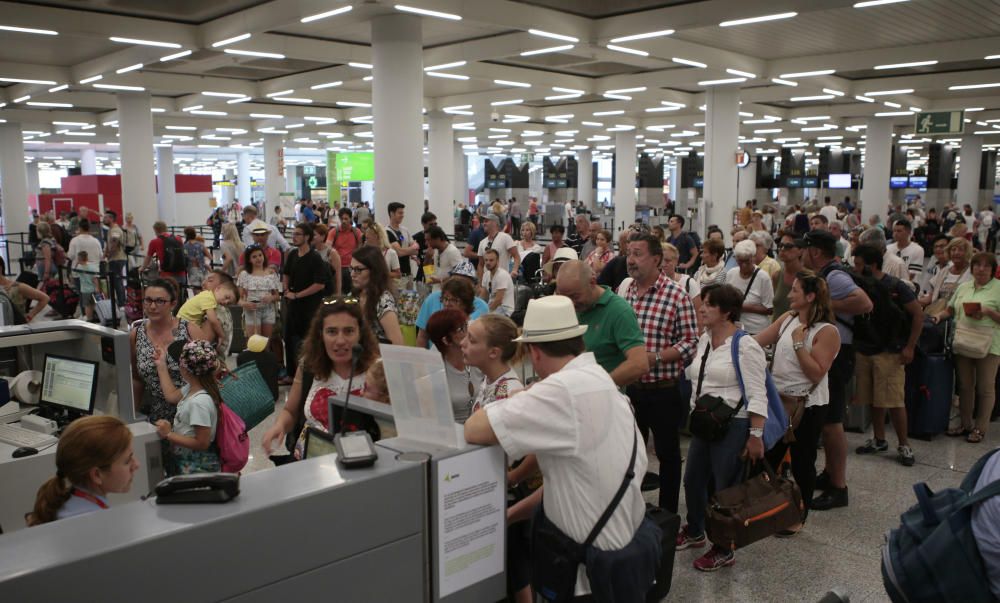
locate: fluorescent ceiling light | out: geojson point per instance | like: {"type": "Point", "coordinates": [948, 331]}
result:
{"type": "Point", "coordinates": [974, 86]}
{"type": "Point", "coordinates": [891, 104]}
{"type": "Point", "coordinates": [368, 78]}
{"type": "Point", "coordinates": [18, 80]}
{"type": "Point", "coordinates": [814, 118]}
{"type": "Point", "coordinates": [445, 66]}
{"type": "Point", "coordinates": [231, 40]}
{"type": "Point", "coordinates": [516, 101]}
{"type": "Point", "coordinates": [59, 88]}
{"type": "Point", "coordinates": [353, 104]}
{"type": "Point", "coordinates": [135, 67]}
{"type": "Point", "coordinates": [427, 13]}
{"type": "Point", "coordinates": [70, 123]}
{"type": "Point", "coordinates": [281, 93]}
{"type": "Point", "coordinates": [217, 113]}
{"type": "Point", "coordinates": [888, 92]}
{"type": "Point", "coordinates": [41, 104]}
{"type": "Point", "coordinates": [529, 53]}
{"type": "Point", "coordinates": [176, 55]}
{"type": "Point", "coordinates": [833, 92]}
{"type": "Point", "coordinates": [626, 90]}
{"type": "Point", "coordinates": [79, 134]}
{"type": "Point", "coordinates": [749, 20]}
{"type": "Point", "coordinates": [554, 36]}
{"type": "Point", "coordinates": [254, 53]}
{"type": "Point", "coordinates": [643, 36]}
{"type": "Point", "coordinates": [181, 127]}
{"type": "Point", "coordinates": [512, 83]}
{"type": "Point", "coordinates": [865, 99]}
{"type": "Point", "coordinates": [778, 80]}
{"type": "Point", "coordinates": [808, 73]}
{"type": "Point", "coordinates": [192, 108]}
{"type": "Point", "coordinates": [291, 99]}
{"type": "Point", "coordinates": [449, 76]}
{"type": "Point", "coordinates": [223, 94]}
{"type": "Point", "coordinates": [661, 109]}
{"type": "Point", "coordinates": [868, 3]}
{"type": "Point", "coordinates": [905, 65]}
{"type": "Point", "coordinates": [144, 42]}
{"type": "Point", "coordinates": [329, 13]}
{"type": "Point", "coordinates": [893, 113]}
{"type": "Point", "coordinates": [626, 50]}
{"type": "Point", "coordinates": [266, 116]}
{"type": "Point", "coordinates": [768, 131]}
{"type": "Point", "coordinates": [727, 80]}
{"type": "Point", "coordinates": [974, 109]}
{"type": "Point", "coordinates": [915, 109]}
{"type": "Point", "coordinates": [603, 113]}
{"type": "Point", "coordinates": [815, 97]}
{"type": "Point", "coordinates": [360, 65]}
{"type": "Point", "coordinates": [119, 87]}
{"type": "Point", "coordinates": [992, 56]}
{"type": "Point", "coordinates": [617, 96]}
{"type": "Point", "coordinates": [326, 85]}
{"type": "Point", "coordinates": [689, 63]}
{"type": "Point", "coordinates": [154, 110]}
{"type": "Point", "coordinates": [43, 32]}
{"type": "Point", "coordinates": [745, 74]}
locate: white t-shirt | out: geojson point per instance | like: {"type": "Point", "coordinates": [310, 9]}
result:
{"type": "Point", "coordinates": [502, 243]}
{"type": "Point", "coordinates": [581, 429]}
{"type": "Point", "coordinates": [195, 410]}
{"type": "Point", "coordinates": [895, 266]}
{"type": "Point", "coordinates": [444, 261]}
{"type": "Point", "coordinates": [787, 371]}
{"type": "Point", "coordinates": [500, 280]}
{"type": "Point", "coordinates": [391, 259]}
{"type": "Point", "coordinates": [85, 242]}
{"type": "Point", "coordinates": [829, 212]}
{"type": "Point", "coordinates": [912, 255]}
{"type": "Point", "coordinates": [761, 292]}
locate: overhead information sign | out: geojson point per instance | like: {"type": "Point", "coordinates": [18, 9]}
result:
{"type": "Point", "coordinates": [940, 122]}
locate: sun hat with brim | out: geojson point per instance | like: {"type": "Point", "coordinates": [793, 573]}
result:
{"type": "Point", "coordinates": [551, 318]}
{"type": "Point", "coordinates": [563, 254]}
{"type": "Point", "coordinates": [261, 230]}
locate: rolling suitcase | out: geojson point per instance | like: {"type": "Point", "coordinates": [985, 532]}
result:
{"type": "Point", "coordinates": [930, 384]}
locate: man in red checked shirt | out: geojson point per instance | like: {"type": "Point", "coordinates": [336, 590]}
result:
{"type": "Point", "coordinates": [667, 319]}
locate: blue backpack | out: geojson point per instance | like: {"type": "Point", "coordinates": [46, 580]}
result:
{"type": "Point", "coordinates": [933, 555]}
{"type": "Point", "coordinates": [777, 419]}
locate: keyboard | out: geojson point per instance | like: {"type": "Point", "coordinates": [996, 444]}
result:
{"type": "Point", "coordinates": [19, 436]}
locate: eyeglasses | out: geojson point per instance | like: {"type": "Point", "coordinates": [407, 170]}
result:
{"type": "Point", "coordinates": [787, 246]}
{"type": "Point", "coordinates": [358, 269]}
{"type": "Point", "coordinates": [449, 300]}
{"type": "Point", "coordinates": [152, 301]}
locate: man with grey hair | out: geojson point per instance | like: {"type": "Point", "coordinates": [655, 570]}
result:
{"type": "Point", "coordinates": [503, 243]}
{"type": "Point", "coordinates": [891, 265]}
{"type": "Point", "coordinates": [757, 289]}
{"type": "Point", "coordinates": [764, 242]}
{"type": "Point", "coordinates": [837, 230]}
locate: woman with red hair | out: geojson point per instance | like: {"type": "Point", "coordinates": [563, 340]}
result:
{"type": "Point", "coordinates": [446, 329]}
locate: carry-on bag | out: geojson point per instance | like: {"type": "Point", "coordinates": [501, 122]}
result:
{"type": "Point", "coordinates": [754, 509]}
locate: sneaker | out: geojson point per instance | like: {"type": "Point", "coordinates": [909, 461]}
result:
{"type": "Point", "coordinates": [904, 455]}
{"type": "Point", "coordinates": [830, 499]}
{"type": "Point", "coordinates": [650, 482]}
{"type": "Point", "coordinates": [685, 541]}
{"type": "Point", "coordinates": [715, 559]}
{"type": "Point", "coordinates": [872, 446]}
{"type": "Point", "coordinates": [823, 480]}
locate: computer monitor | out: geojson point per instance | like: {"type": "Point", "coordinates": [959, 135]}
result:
{"type": "Point", "coordinates": [69, 387]}
{"type": "Point", "coordinates": [840, 181]}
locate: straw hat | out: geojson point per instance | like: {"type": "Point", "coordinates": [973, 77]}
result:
{"type": "Point", "coordinates": [563, 254]}
{"type": "Point", "coordinates": [551, 318]}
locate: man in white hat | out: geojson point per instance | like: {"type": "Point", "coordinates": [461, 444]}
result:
{"type": "Point", "coordinates": [578, 425]}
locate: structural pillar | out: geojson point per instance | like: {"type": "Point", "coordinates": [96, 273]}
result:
{"type": "Point", "coordinates": [440, 170]}
{"type": "Point", "coordinates": [722, 132]}
{"type": "Point", "coordinates": [34, 188]}
{"type": "Point", "coordinates": [166, 192]}
{"type": "Point", "coordinates": [460, 173]}
{"type": "Point", "coordinates": [88, 161]}
{"type": "Point", "coordinates": [971, 155]}
{"type": "Point", "coordinates": [274, 172]}
{"type": "Point", "coordinates": [878, 157]}
{"type": "Point", "coordinates": [245, 183]}
{"type": "Point", "coordinates": [585, 178]}
{"type": "Point", "coordinates": [135, 129]}
{"type": "Point", "coordinates": [397, 98]}
{"type": "Point", "coordinates": [13, 186]}
{"type": "Point", "coordinates": [624, 193]}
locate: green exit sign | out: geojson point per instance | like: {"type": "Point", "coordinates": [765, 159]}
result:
{"type": "Point", "coordinates": [940, 122]}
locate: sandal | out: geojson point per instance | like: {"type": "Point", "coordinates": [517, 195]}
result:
{"type": "Point", "coordinates": [956, 432]}
{"type": "Point", "coordinates": [975, 436]}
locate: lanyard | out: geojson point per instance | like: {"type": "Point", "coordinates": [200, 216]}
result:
{"type": "Point", "coordinates": [90, 497]}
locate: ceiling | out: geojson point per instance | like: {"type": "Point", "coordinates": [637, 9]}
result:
{"type": "Point", "coordinates": [657, 84]}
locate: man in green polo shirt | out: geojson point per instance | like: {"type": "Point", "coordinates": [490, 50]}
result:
{"type": "Point", "coordinates": [613, 332]}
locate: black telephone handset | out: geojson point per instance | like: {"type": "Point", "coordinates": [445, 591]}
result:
{"type": "Point", "coordinates": [198, 488]}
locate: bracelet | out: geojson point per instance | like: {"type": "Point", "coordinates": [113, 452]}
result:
{"type": "Point", "coordinates": [756, 432]}
{"type": "Point", "coordinates": [798, 346]}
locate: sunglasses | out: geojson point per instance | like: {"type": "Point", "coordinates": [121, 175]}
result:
{"type": "Point", "coordinates": [787, 246]}
{"type": "Point", "coordinates": [358, 269]}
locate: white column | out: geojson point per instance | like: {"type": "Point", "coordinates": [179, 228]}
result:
{"type": "Point", "coordinates": [13, 184]}
{"type": "Point", "coordinates": [135, 129]}
{"type": "Point", "coordinates": [585, 178]}
{"type": "Point", "coordinates": [722, 131]}
{"type": "Point", "coordinates": [88, 161]}
{"type": "Point", "coordinates": [460, 173]}
{"type": "Point", "coordinates": [440, 169]}
{"type": "Point", "coordinates": [971, 155]}
{"type": "Point", "coordinates": [397, 98]}
{"type": "Point", "coordinates": [274, 170]}
{"type": "Point", "coordinates": [624, 193]}
{"type": "Point", "coordinates": [245, 191]}
{"type": "Point", "coordinates": [33, 186]}
{"type": "Point", "coordinates": [166, 192]}
{"type": "Point", "coordinates": [878, 155]}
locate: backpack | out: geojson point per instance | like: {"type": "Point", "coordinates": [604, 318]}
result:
{"type": "Point", "coordinates": [232, 440]}
{"type": "Point", "coordinates": [933, 555]}
{"type": "Point", "coordinates": [885, 325]}
{"type": "Point", "coordinates": [777, 423]}
{"type": "Point", "coordinates": [174, 258]}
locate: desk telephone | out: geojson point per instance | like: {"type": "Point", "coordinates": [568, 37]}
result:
{"type": "Point", "coordinates": [198, 488]}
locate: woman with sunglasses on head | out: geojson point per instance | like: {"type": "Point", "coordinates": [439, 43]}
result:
{"type": "Point", "coordinates": [370, 278]}
{"type": "Point", "coordinates": [325, 371]}
{"type": "Point", "coordinates": [446, 330]}
{"type": "Point", "coordinates": [153, 335]}
{"type": "Point", "coordinates": [806, 342]}
{"type": "Point", "coordinates": [260, 290]}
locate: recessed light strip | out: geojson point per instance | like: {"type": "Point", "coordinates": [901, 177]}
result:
{"type": "Point", "coordinates": [144, 42]}
{"type": "Point", "coordinates": [329, 13]}
{"type": "Point", "coordinates": [31, 30]}
{"type": "Point", "coordinates": [254, 53]}
{"type": "Point", "coordinates": [231, 40]}
{"type": "Point", "coordinates": [761, 19]}
{"type": "Point", "coordinates": [528, 53]}
{"type": "Point", "coordinates": [643, 36]}
{"type": "Point", "coordinates": [427, 13]}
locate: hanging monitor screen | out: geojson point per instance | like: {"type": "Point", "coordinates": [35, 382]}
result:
{"type": "Point", "coordinates": [898, 181]}
{"type": "Point", "coordinates": [355, 166]}
{"type": "Point", "coordinates": [840, 181]}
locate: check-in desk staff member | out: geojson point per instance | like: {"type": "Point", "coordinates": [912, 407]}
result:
{"type": "Point", "coordinates": [93, 459]}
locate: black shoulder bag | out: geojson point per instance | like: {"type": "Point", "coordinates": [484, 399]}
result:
{"type": "Point", "coordinates": [710, 417]}
{"type": "Point", "coordinates": [555, 557]}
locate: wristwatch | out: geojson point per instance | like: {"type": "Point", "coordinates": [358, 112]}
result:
{"type": "Point", "coordinates": [658, 360]}
{"type": "Point", "coordinates": [796, 346]}
{"type": "Point", "coordinates": [756, 432]}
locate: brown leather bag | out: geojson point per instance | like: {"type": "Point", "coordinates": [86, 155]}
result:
{"type": "Point", "coordinates": [754, 509]}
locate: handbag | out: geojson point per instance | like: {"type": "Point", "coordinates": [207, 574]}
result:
{"type": "Point", "coordinates": [555, 557]}
{"type": "Point", "coordinates": [246, 393]}
{"type": "Point", "coordinates": [758, 507]}
{"type": "Point", "coordinates": [972, 341]}
{"type": "Point", "coordinates": [710, 417]}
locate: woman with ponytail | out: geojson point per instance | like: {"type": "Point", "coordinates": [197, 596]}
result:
{"type": "Point", "coordinates": [191, 437]}
{"type": "Point", "coordinates": [93, 459]}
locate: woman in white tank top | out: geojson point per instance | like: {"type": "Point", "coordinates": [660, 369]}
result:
{"type": "Point", "coordinates": [806, 342]}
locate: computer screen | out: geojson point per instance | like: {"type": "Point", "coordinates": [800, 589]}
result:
{"type": "Point", "coordinates": [840, 181]}
{"type": "Point", "coordinates": [318, 443]}
{"type": "Point", "coordinates": [69, 383]}
{"type": "Point", "coordinates": [898, 181]}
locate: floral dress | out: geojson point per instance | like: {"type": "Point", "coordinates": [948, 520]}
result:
{"type": "Point", "coordinates": [158, 407]}
{"type": "Point", "coordinates": [317, 409]}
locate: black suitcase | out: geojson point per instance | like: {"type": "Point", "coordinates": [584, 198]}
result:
{"type": "Point", "coordinates": [930, 384]}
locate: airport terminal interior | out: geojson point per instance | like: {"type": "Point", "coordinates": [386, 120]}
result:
{"type": "Point", "coordinates": [230, 123]}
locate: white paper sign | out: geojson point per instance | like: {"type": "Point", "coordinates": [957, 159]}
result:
{"type": "Point", "coordinates": [421, 400]}
{"type": "Point", "coordinates": [471, 511]}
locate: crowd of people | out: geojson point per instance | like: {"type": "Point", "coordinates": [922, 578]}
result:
{"type": "Point", "coordinates": [650, 327]}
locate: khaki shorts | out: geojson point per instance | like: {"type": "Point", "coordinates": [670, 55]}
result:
{"type": "Point", "coordinates": [881, 380]}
